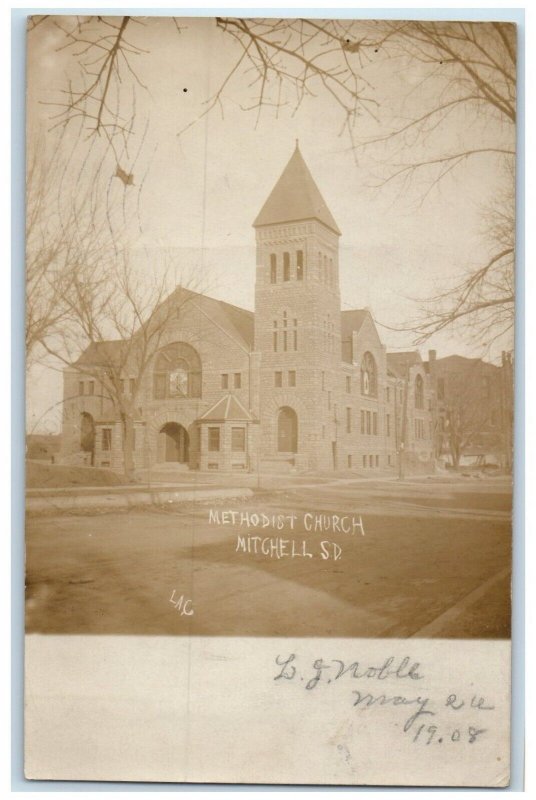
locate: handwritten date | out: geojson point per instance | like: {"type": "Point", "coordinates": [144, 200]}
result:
{"type": "Point", "coordinates": [432, 733]}
{"type": "Point", "coordinates": [390, 673]}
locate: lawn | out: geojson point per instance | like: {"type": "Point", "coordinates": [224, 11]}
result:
{"type": "Point", "coordinates": [56, 476]}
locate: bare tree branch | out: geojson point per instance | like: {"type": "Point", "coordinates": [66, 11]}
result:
{"type": "Point", "coordinates": [461, 76]}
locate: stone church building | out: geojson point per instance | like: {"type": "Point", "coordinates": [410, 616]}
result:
{"type": "Point", "coordinates": [297, 384]}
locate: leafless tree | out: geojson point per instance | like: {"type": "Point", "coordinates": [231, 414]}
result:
{"type": "Point", "coordinates": [72, 220]}
{"type": "Point", "coordinates": [481, 303]}
{"type": "Point", "coordinates": [466, 71]}
{"type": "Point", "coordinates": [463, 74]}
{"type": "Point", "coordinates": [472, 69]}
{"type": "Point", "coordinates": [48, 253]}
{"type": "Point", "coordinates": [473, 409]}
{"type": "Point", "coordinates": [117, 319]}
{"type": "Point", "coordinates": [284, 61]}
{"type": "Point", "coordinates": [103, 54]}
{"type": "Point", "coordinates": [468, 65]}
{"type": "Point", "coordinates": [87, 304]}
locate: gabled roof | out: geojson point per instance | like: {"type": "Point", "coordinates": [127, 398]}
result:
{"type": "Point", "coordinates": [227, 408]}
{"type": "Point", "coordinates": [102, 354]}
{"type": "Point", "coordinates": [239, 322]}
{"type": "Point", "coordinates": [295, 197]}
{"type": "Point", "coordinates": [399, 363]}
{"type": "Point", "coordinates": [242, 320]}
{"type": "Point", "coordinates": [352, 321]}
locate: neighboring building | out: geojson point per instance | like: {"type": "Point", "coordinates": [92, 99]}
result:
{"type": "Point", "coordinates": [297, 384]}
{"type": "Point", "coordinates": [474, 410]}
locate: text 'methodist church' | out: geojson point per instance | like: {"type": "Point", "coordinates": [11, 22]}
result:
{"type": "Point", "coordinates": [298, 384]}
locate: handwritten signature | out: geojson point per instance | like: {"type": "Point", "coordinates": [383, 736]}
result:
{"type": "Point", "coordinates": [402, 670]}
{"type": "Point", "coordinates": [335, 669]}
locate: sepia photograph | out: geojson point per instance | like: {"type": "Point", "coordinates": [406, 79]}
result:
{"type": "Point", "coordinates": [270, 341]}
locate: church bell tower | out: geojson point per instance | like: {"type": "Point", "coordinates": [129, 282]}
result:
{"type": "Point", "coordinates": [298, 322]}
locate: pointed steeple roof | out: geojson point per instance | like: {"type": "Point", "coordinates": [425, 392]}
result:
{"type": "Point", "coordinates": [295, 197]}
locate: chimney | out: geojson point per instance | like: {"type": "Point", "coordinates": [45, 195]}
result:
{"type": "Point", "coordinates": [432, 356]}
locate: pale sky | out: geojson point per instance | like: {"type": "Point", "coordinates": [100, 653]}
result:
{"type": "Point", "coordinates": [202, 190]}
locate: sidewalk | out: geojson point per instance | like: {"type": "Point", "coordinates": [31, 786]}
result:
{"type": "Point", "coordinates": [203, 487]}
{"type": "Point", "coordinates": [132, 496]}
{"type": "Point", "coordinates": [124, 497]}
{"type": "Point", "coordinates": [198, 487]}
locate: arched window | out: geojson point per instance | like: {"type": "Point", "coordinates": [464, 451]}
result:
{"type": "Point", "coordinates": [177, 372]}
{"type": "Point", "coordinates": [419, 392]}
{"type": "Point", "coordinates": [273, 268]}
{"type": "Point", "coordinates": [369, 380]}
{"type": "Point", "coordinates": [287, 430]}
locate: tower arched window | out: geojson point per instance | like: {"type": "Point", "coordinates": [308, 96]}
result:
{"type": "Point", "coordinates": [419, 392]}
{"type": "Point", "coordinates": [299, 265]}
{"type": "Point", "coordinates": [286, 266]}
{"type": "Point", "coordinates": [273, 268]}
{"type": "Point", "coordinates": [369, 378]}
{"type": "Point", "coordinates": [177, 372]}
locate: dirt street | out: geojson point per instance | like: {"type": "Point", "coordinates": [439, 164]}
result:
{"type": "Point", "coordinates": [434, 557]}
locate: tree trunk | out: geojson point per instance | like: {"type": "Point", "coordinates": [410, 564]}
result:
{"type": "Point", "coordinates": [127, 429]}
{"type": "Point", "coordinates": [454, 449]}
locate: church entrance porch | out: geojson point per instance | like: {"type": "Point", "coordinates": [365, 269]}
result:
{"type": "Point", "coordinates": [173, 444]}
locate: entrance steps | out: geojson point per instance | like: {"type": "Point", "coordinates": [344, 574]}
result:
{"type": "Point", "coordinates": [281, 465]}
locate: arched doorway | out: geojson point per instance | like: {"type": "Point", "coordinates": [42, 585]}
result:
{"type": "Point", "coordinates": [287, 430]}
{"type": "Point", "coordinates": [173, 443]}
{"type": "Point", "coordinates": [87, 434]}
